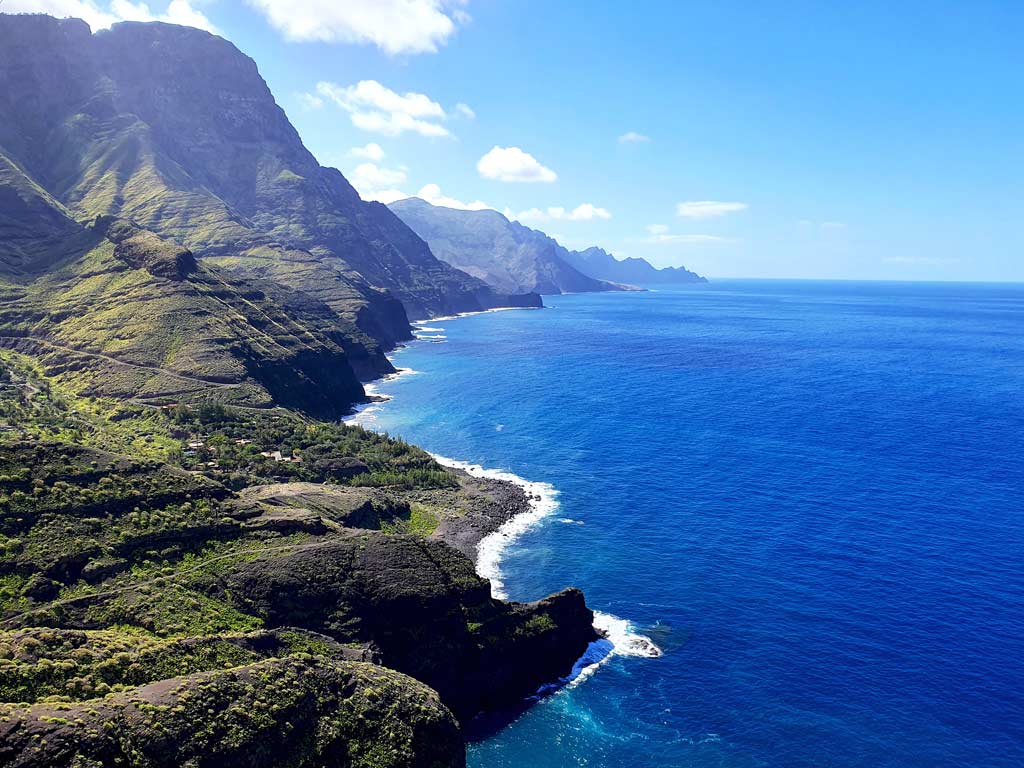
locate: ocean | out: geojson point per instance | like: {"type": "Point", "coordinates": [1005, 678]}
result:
{"type": "Point", "coordinates": [808, 495]}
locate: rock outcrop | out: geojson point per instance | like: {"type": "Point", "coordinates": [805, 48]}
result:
{"type": "Point", "coordinates": [422, 607]}
{"type": "Point", "coordinates": [305, 711]}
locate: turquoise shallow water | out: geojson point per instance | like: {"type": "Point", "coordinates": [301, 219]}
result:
{"type": "Point", "coordinates": [808, 494]}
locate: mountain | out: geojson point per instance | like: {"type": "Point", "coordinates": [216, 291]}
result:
{"type": "Point", "coordinates": [600, 264]}
{"type": "Point", "coordinates": [116, 311]}
{"type": "Point", "coordinates": [506, 255]}
{"type": "Point", "coordinates": [174, 130]}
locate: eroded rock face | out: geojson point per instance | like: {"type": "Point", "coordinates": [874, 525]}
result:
{"type": "Point", "coordinates": [422, 606]}
{"type": "Point", "coordinates": [300, 711]}
{"type": "Point", "coordinates": [133, 315]}
{"type": "Point", "coordinates": [144, 250]}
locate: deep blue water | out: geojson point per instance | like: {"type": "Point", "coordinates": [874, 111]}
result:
{"type": "Point", "coordinates": [808, 494]}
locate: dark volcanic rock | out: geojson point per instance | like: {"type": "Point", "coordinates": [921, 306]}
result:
{"type": "Point", "coordinates": [422, 606]}
{"type": "Point", "coordinates": [299, 711]}
{"type": "Point", "coordinates": [349, 507]}
{"type": "Point", "coordinates": [144, 250]}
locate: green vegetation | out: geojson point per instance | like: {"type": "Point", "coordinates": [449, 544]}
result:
{"type": "Point", "coordinates": [196, 558]}
{"type": "Point", "coordinates": [229, 445]}
{"type": "Point", "coordinates": [421, 521]}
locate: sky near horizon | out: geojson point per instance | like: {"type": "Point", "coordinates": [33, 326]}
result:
{"type": "Point", "coordinates": [787, 139]}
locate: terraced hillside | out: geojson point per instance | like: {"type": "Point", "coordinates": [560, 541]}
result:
{"type": "Point", "coordinates": [119, 312]}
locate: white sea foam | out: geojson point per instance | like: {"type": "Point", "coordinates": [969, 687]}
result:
{"type": "Point", "coordinates": [478, 312]}
{"type": "Point", "coordinates": [364, 412]}
{"type": "Point", "coordinates": [619, 636]}
{"type": "Point", "coordinates": [543, 498]}
{"type": "Point", "coordinates": [625, 638]}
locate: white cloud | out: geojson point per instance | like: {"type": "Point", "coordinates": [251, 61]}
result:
{"type": "Point", "coordinates": [582, 212]}
{"type": "Point", "coordinates": [381, 184]}
{"type": "Point", "coordinates": [369, 176]}
{"type": "Point", "coordinates": [466, 111]}
{"type": "Point", "coordinates": [432, 194]}
{"type": "Point", "coordinates": [178, 12]}
{"type": "Point", "coordinates": [371, 151]}
{"type": "Point", "coordinates": [95, 16]}
{"type": "Point", "coordinates": [100, 16]}
{"type": "Point", "coordinates": [687, 239]}
{"type": "Point", "coordinates": [395, 26]}
{"type": "Point", "coordinates": [376, 108]}
{"type": "Point", "coordinates": [530, 214]}
{"type": "Point", "coordinates": [657, 229]}
{"type": "Point", "coordinates": [375, 183]}
{"type": "Point", "coordinates": [513, 164]}
{"type": "Point", "coordinates": [386, 196]}
{"type": "Point", "coordinates": [707, 209]}
{"type": "Point", "coordinates": [310, 101]}
{"type": "Point", "coordinates": [586, 212]}
{"type": "Point", "coordinates": [632, 137]}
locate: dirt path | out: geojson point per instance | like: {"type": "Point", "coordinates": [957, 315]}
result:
{"type": "Point", "coordinates": [156, 580]}
{"type": "Point", "coordinates": [116, 361]}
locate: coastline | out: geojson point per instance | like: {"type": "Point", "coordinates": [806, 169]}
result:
{"type": "Point", "coordinates": [509, 506]}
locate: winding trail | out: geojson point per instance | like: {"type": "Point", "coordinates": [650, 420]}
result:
{"type": "Point", "coordinates": [116, 361]}
{"type": "Point", "coordinates": [160, 579]}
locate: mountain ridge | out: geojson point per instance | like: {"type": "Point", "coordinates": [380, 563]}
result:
{"type": "Point", "coordinates": [597, 262]}
{"type": "Point", "coordinates": [503, 253]}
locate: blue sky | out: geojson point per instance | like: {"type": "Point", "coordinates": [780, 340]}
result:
{"type": "Point", "coordinates": [821, 140]}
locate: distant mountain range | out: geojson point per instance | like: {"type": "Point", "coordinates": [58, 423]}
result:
{"type": "Point", "coordinates": [504, 254]}
{"type": "Point", "coordinates": [512, 258]}
{"type": "Point", "coordinates": [598, 263]}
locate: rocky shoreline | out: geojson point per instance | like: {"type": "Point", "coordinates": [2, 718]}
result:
{"type": "Point", "coordinates": [483, 506]}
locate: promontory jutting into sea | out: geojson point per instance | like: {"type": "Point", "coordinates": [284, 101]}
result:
{"type": "Point", "coordinates": [440, 383]}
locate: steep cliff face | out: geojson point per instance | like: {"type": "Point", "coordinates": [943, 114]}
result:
{"type": "Point", "coordinates": [165, 240]}
{"type": "Point", "coordinates": [502, 253]}
{"type": "Point", "coordinates": [120, 312]}
{"type": "Point", "coordinates": [598, 263]}
{"type": "Point", "coordinates": [174, 129]}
